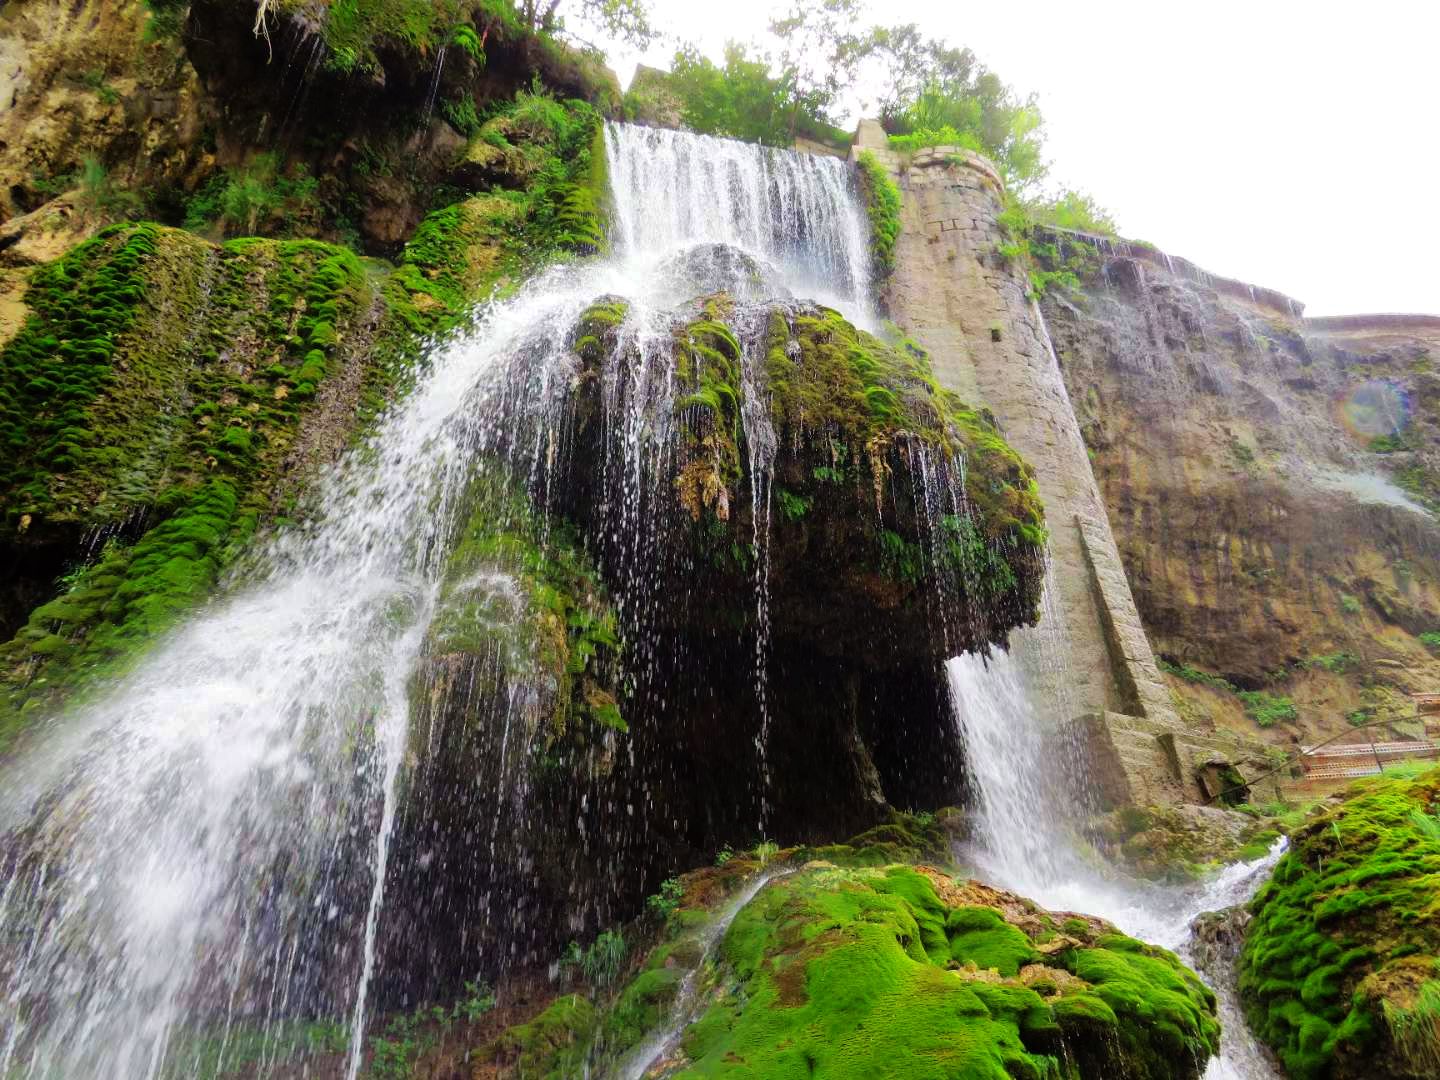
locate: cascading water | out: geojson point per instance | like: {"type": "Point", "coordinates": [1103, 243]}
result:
{"type": "Point", "coordinates": [204, 847]}
{"type": "Point", "coordinates": [1025, 799]}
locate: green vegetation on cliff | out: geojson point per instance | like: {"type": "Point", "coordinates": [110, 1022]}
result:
{"type": "Point", "coordinates": [187, 386]}
{"type": "Point", "coordinates": [523, 593]}
{"type": "Point", "coordinates": [1339, 970]}
{"type": "Point", "coordinates": [156, 392]}
{"type": "Point", "coordinates": [904, 972]}
{"type": "Point", "coordinates": [882, 205]}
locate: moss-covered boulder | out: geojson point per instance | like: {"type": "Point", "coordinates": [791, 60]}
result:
{"type": "Point", "coordinates": [1340, 971]}
{"type": "Point", "coordinates": [894, 520]}
{"type": "Point", "coordinates": [1178, 844]}
{"type": "Point", "coordinates": [162, 396]}
{"type": "Point", "coordinates": [904, 972]}
{"type": "Point", "coordinates": [798, 526]}
{"type": "Point", "coordinates": [896, 971]}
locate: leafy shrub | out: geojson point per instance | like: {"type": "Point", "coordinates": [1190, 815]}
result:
{"type": "Point", "coordinates": [1431, 640]}
{"type": "Point", "coordinates": [1195, 675]}
{"type": "Point", "coordinates": [1349, 605]}
{"type": "Point", "coordinates": [462, 116]}
{"type": "Point", "coordinates": [1337, 663]}
{"type": "Point", "coordinates": [602, 960]}
{"type": "Point", "coordinates": [667, 901]}
{"type": "Point", "coordinates": [1267, 709]}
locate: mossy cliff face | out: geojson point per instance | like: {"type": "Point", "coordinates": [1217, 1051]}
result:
{"type": "Point", "coordinates": [1339, 970]}
{"type": "Point", "coordinates": [804, 698]}
{"type": "Point", "coordinates": [884, 490]}
{"type": "Point", "coordinates": [343, 122]}
{"type": "Point", "coordinates": [899, 971]}
{"type": "Point", "coordinates": [815, 529]}
{"type": "Point", "coordinates": [151, 407]}
{"type": "Point", "coordinates": [166, 395]}
{"type": "Point", "coordinates": [516, 715]}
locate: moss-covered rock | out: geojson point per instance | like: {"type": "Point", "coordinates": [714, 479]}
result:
{"type": "Point", "coordinates": [517, 708]}
{"type": "Point", "coordinates": [153, 401]}
{"type": "Point", "coordinates": [1339, 971]}
{"type": "Point", "coordinates": [1179, 844]}
{"type": "Point", "coordinates": [552, 1046]}
{"type": "Point", "coordinates": [885, 491]}
{"type": "Point", "coordinates": [900, 971]}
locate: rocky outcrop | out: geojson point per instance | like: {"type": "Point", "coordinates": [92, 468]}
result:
{"type": "Point", "coordinates": [341, 127]}
{"type": "Point", "coordinates": [163, 396]}
{"type": "Point", "coordinates": [898, 970]}
{"type": "Point", "coordinates": [92, 81]}
{"type": "Point", "coordinates": [1339, 972]}
{"type": "Point", "coordinates": [1179, 843]}
{"type": "Point", "coordinates": [786, 527]}
{"type": "Point", "coordinates": [1270, 484]}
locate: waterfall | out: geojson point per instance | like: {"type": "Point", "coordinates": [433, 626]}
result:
{"type": "Point", "coordinates": [204, 845]}
{"type": "Point", "coordinates": [1026, 793]}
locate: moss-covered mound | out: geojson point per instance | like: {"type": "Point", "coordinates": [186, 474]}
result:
{"type": "Point", "coordinates": [896, 971]}
{"type": "Point", "coordinates": [903, 972]}
{"type": "Point", "coordinates": [517, 708]}
{"type": "Point", "coordinates": [1339, 972]}
{"type": "Point", "coordinates": [153, 405]}
{"type": "Point", "coordinates": [898, 521]}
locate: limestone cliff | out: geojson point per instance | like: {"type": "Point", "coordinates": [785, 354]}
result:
{"type": "Point", "coordinates": [1271, 484]}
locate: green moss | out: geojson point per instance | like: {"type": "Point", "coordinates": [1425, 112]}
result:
{"type": "Point", "coordinates": [63, 358]}
{"type": "Point", "coordinates": [869, 972]}
{"type": "Point", "coordinates": [1267, 709]}
{"type": "Point", "coordinates": [552, 1046]}
{"type": "Point", "coordinates": [204, 472]}
{"type": "Point", "coordinates": [827, 376]}
{"type": "Point", "coordinates": [882, 205]}
{"type": "Point", "coordinates": [1338, 929]}
{"type": "Point", "coordinates": [519, 589]}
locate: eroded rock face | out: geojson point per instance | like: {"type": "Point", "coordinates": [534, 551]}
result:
{"type": "Point", "coordinates": [812, 503]}
{"type": "Point", "coordinates": [1179, 843]}
{"type": "Point", "coordinates": [1267, 481]}
{"type": "Point", "coordinates": [82, 81]}
{"type": "Point", "coordinates": [1338, 972]}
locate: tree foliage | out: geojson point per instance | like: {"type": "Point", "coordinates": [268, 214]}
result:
{"type": "Point", "coordinates": [1072, 209]}
{"type": "Point", "coordinates": [936, 94]}
{"type": "Point", "coordinates": [739, 99]}
{"type": "Point", "coordinates": [627, 20]}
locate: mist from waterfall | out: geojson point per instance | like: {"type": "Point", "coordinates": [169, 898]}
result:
{"type": "Point", "coordinates": [203, 846]}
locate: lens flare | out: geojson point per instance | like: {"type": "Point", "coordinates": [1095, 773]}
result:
{"type": "Point", "coordinates": [1374, 409]}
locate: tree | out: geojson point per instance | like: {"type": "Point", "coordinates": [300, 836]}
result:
{"type": "Point", "coordinates": [741, 100]}
{"type": "Point", "coordinates": [820, 52]}
{"type": "Point", "coordinates": [628, 20]}
{"type": "Point", "coordinates": [938, 94]}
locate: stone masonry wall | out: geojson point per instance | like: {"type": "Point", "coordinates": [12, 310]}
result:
{"type": "Point", "coordinates": [971, 309]}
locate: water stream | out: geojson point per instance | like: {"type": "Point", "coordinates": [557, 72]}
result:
{"type": "Point", "coordinates": [1023, 841]}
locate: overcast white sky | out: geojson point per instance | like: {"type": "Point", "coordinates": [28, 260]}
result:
{"type": "Point", "coordinates": [1292, 145]}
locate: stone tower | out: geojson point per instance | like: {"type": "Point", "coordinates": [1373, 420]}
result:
{"type": "Point", "coordinates": [971, 308]}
